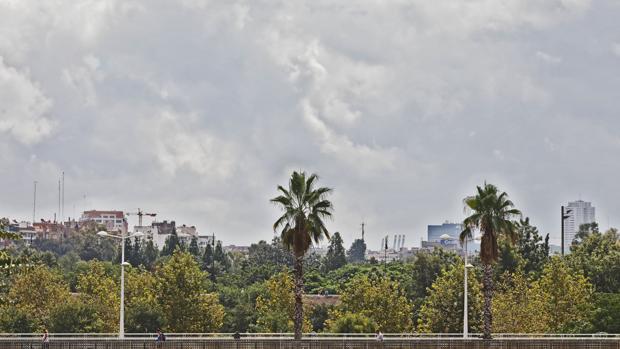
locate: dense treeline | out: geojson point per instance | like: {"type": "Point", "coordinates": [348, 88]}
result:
{"type": "Point", "coordinates": [72, 285]}
{"type": "Point", "coordinates": [194, 290]}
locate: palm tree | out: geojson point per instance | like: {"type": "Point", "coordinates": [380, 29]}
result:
{"type": "Point", "coordinates": [304, 208]}
{"type": "Point", "coordinates": [491, 212]}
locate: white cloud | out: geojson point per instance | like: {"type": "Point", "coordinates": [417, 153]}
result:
{"type": "Point", "coordinates": [184, 148]}
{"type": "Point", "coordinates": [23, 107]}
{"type": "Point", "coordinates": [547, 58]}
{"type": "Point", "coordinates": [398, 105]}
{"type": "Point", "coordinates": [83, 79]}
{"type": "Point", "coordinates": [364, 159]}
{"type": "Point", "coordinates": [615, 48]}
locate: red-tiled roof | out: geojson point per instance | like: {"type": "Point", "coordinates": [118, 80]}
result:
{"type": "Point", "coordinates": [97, 214]}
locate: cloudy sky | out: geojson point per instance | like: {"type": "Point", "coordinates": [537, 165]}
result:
{"type": "Point", "coordinates": [197, 109]}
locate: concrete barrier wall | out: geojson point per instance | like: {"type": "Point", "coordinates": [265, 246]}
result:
{"type": "Point", "coordinates": [344, 343]}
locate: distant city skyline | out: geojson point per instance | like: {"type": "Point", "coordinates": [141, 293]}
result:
{"type": "Point", "coordinates": [199, 110]}
{"type": "Point", "coordinates": [578, 212]}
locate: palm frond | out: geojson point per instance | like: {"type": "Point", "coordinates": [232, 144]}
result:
{"type": "Point", "coordinates": [305, 206]}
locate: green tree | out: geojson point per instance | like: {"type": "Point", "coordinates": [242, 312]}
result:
{"type": "Point", "coordinates": [207, 259]}
{"type": "Point", "coordinates": [529, 253]}
{"type": "Point", "coordinates": [584, 231]}
{"type": "Point", "coordinates": [36, 291]}
{"type": "Point", "coordinates": [517, 306]}
{"type": "Point", "coordinates": [266, 259]}
{"type": "Point", "coordinates": [182, 294]}
{"type": "Point", "coordinates": [335, 257]}
{"type": "Point", "coordinates": [606, 316]}
{"type": "Point", "coordinates": [240, 305]}
{"type": "Point", "coordinates": [426, 268]}
{"type": "Point", "coordinates": [171, 244]}
{"type": "Point", "coordinates": [568, 297]}
{"type": "Point", "coordinates": [143, 317]}
{"type": "Point", "coordinates": [380, 299]}
{"type": "Point", "coordinates": [509, 259]}
{"type": "Point", "coordinates": [69, 264]}
{"type": "Point", "coordinates": [149, 255]}
{"type": "Point", "coordinates": [533, 248]}
{"type": "Point", "coordinates": [90, 246]}
{"type": "Point", "coordinates": [14, 320]}
{"type": "Point", "coordinates": [98, 290]}
{"type": "Point", "coordinates": [275, 306]}
{"type": "Point", "coordinates": [143, 311]}
{"type": "Point", "coordinates": [137, 253]}
{"type": "Point", "coordinates": [442, 310]}
{"type": "Point", "coordinates": [304, 208]}
{"type": "Point", "coordinates": [597, 256]}
{"type": "Point", "coordinates": [492, 213]}
{"type": "Point", "coordinates": [75, 316]}
{"type": "Point", "coordinates": [318, 315]}
{"type": "Point", "coordinates": [129, 253]}
{"type": "Point", "coordinates": [193, 249]}
{"type": "Point", "coordinates": [221, 258]}
{"type": "Point", "coordinates": [357, 252]}
{"type": "Point", "coordinates": [274, 253]}
{"type": "Point", "coordinates": [352, 323]}
{"type": "Point", "coordinates": [7, 264]}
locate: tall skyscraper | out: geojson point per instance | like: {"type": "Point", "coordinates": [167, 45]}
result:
{"type": "Point", "coordinates": [577, 213]}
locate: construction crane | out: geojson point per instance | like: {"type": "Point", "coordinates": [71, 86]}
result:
{"type": "Point", "coordinates": [140, 213]}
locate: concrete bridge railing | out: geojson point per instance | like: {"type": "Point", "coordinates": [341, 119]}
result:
{"type": "Point", "coordinates": [313, 343]}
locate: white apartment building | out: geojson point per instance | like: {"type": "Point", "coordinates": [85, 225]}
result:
{"type": "Point", "coordinates": [112, 220]}
{"type": "Point", "coordinates": [579, 212]}
{"type": "Point", "coordinates": [159, 232]}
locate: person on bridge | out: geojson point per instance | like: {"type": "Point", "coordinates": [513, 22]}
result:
{"type": "Point", "coordinates": [379, 336]}
{"type": "Point", "coordinates": [46, 339]}
{"type": "Point", "coordinates": [161, 337]}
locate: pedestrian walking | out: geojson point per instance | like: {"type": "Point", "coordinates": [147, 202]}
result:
{"type": "Point", "coordinates": [161, 337]}
{"type": "Point", "coordinates": [379, 336]}
{"type": "Point", "coordinates": [46, 339]}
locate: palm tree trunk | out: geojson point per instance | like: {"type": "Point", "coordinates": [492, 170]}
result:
{"type": "Point", "coordinates": [299, 289]}
{"type": "Point", "coordinates": [487, 281]}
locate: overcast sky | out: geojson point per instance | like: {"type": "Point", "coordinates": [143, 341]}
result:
{"type": "Point", "coordinates": [197, 110]}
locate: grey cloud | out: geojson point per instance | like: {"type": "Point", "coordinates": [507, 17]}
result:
{"type": "Point", "coordinates": [198, 109]}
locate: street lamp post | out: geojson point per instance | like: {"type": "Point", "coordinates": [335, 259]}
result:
{"type": "Point", "coordinates": [564, 215]}
{"type": "Point", "coordinates": [122, 237]}
{"type": "Point", "coordinates": [465, 315]}
{"type": "Point", "coordinates": [465, 292]}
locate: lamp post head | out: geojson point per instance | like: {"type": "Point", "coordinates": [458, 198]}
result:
{"type": "Point", "coordinates": [136, 234]}
{"type": "Point", "coordinates": [102, 233]}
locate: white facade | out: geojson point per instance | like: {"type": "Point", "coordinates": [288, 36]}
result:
{"type": "Point", "coordinates": [579, 212]}
{"type": "Point", "coordinates": [389, 255]}
{"type": "Point", "coordinates": [184, 233]}
{"type": "Point", "coordinates": [27, 232]}
{"type": "Point", "coordinates": [112, 220]}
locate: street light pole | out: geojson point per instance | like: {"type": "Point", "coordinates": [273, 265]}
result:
{"type": "Point", "coordinates": [564, 215]}
{"type": "Point", "coordinates": [122, 237]}
{"type": "Point", "coordinates": [465, 315]}
{"type": "Point", "coordinates": [121, 323]}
